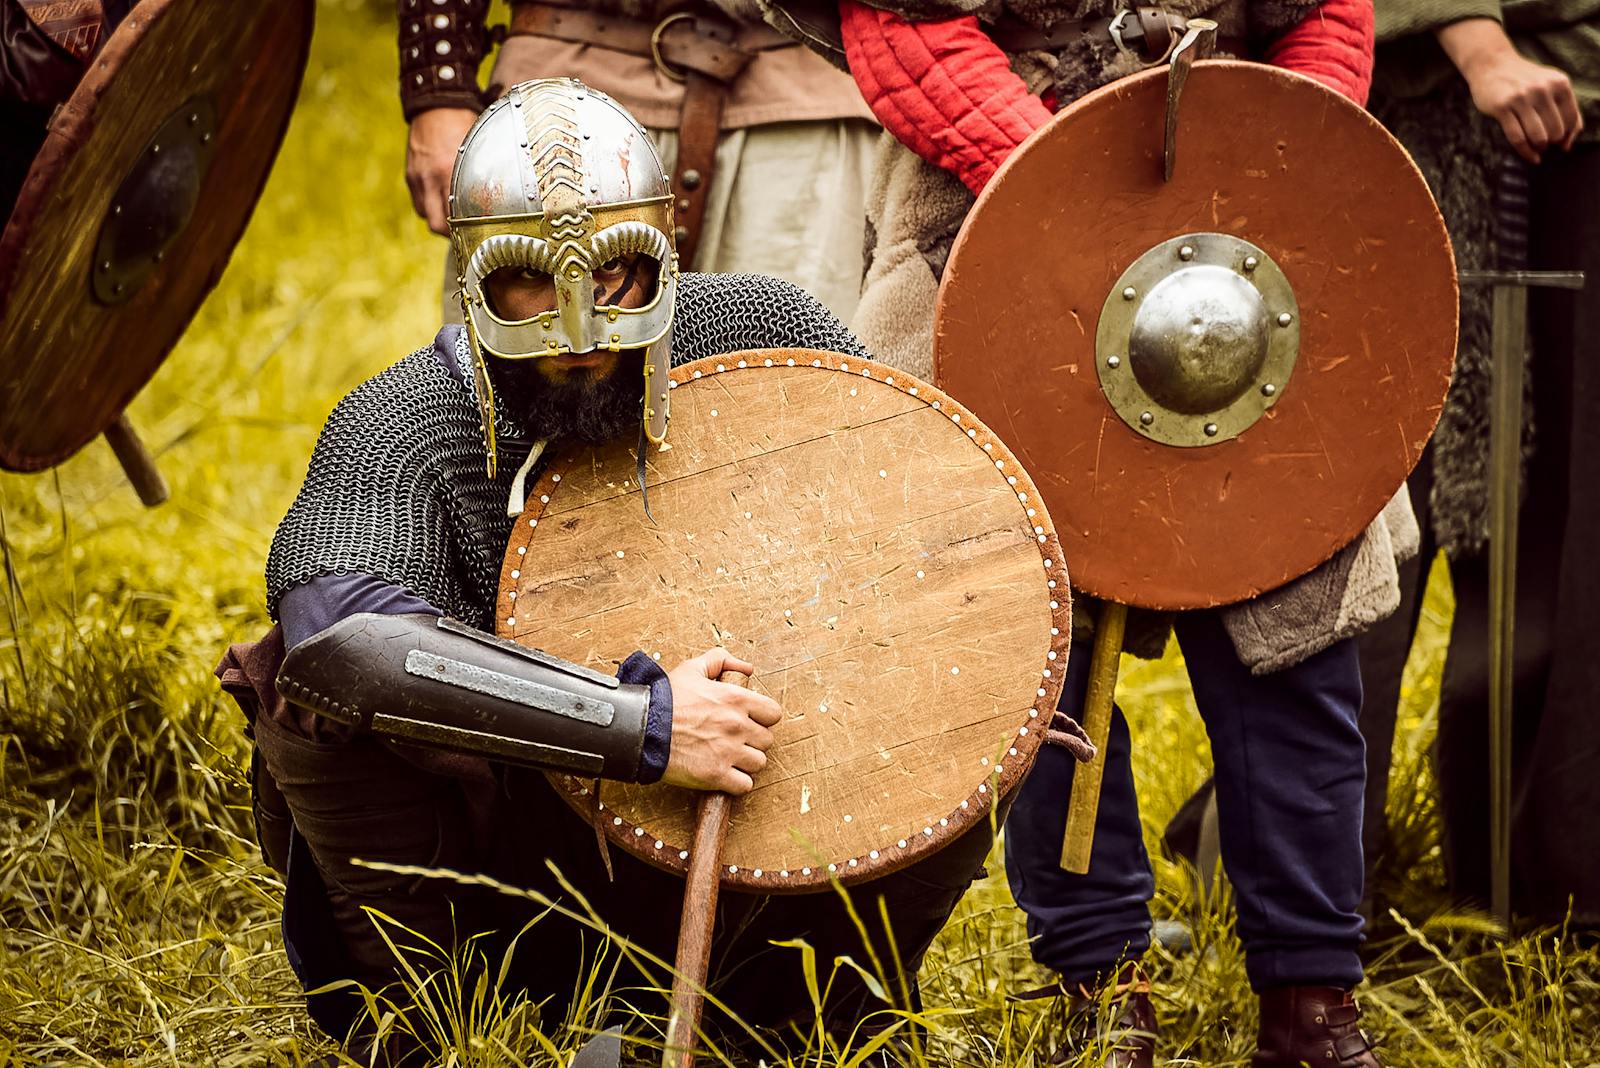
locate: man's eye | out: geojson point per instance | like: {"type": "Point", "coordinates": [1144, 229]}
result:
{"type": "Point", "coordinates": [612, 266]}
{"type": "Point", "coordinates": [528, 274]}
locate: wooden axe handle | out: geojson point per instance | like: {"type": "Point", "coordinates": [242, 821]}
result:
{"type": "Point", "coordinates": [699, 920]}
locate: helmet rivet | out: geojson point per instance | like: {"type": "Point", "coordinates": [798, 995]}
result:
{"type": "Point", "coordinates": [1186, 253]}
{"type": "Point", "coordinates": [1129, 293]}
{"type": "Point", "coordinates": [1147, 418]}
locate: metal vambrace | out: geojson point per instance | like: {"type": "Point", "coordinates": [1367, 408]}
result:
{"type": "Point", "coordinates": [433, 681]}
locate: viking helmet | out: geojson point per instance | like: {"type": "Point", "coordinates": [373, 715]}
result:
{"type": "Point", "coordinates": [557, 178]}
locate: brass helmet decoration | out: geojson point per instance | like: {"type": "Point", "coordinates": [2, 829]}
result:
{"type": "Point", "coordinates": [557, 178]}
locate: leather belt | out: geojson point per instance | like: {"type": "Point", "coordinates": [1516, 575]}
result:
{"type": "Point", "coordinates": [1145, 30]}
{"type": "Point", "coordinates": [682, 41]}
{"type": "Point", "coordinates": [701, 48]}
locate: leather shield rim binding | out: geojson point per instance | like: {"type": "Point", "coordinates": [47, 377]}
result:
{"type": "Point", "coordinates": [1111, 556]}
{"type": "Point", "coordinates": [1023, 746]}
{"type": "Point", "coordinates": [71, 127]}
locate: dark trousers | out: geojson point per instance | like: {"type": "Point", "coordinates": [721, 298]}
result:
{"type": "Point", "coordinates": [1289, 778]}
{"type": "Point", "coordinates": [364, 799]}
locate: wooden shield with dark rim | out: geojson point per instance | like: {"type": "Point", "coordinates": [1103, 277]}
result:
{"type": "Point", "coordinates": [117, 237]}
{"type": "Point", "coordinates": [1263, 155]}
{"type": "Point", "coordinates": [871, 547]}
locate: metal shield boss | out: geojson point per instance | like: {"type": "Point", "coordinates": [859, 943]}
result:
{"type": "Point", "coordinates": [132, 207]}
{"type": "Point", "coordinates": [1220, 379]}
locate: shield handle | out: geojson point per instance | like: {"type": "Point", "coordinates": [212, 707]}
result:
{"type": "Point", "coordinates": [1084, 807]}
{"type": "Point", "coordinates": [136, 461]}
{"type": "Point", "coordinates": [1199, 42]}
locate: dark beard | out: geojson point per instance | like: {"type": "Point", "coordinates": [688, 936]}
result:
{"type": "Point", "coordinates": [583, 408]}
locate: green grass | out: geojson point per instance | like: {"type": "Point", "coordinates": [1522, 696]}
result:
{"type": "Point", "coordinates": [137, 923]}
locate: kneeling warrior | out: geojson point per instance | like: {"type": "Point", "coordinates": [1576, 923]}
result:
{"type": "Point", "coordinates": [389, 561]}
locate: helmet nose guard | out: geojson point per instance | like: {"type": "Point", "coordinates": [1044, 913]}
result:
{"type": "Point", "coordinates": [558, 179]}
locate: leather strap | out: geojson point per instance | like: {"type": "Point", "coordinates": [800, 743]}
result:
{"type": "Point", "coordinates": [699, 123]}
{"type": "Point", "coordinates": [679, 42]}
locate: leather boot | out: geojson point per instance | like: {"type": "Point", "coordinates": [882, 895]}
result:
{"type": "Point", "coordinates": [1126, 1029]}
{"type": "Point", "coordinates": [1311, 1025]}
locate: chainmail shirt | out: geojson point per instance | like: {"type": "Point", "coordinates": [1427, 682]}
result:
{"type": "Point", "coordinates": [397, 486]}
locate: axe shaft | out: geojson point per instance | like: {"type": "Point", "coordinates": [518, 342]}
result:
{"type": "Point", "coordinates": [1084, 807]}
{"type": "Point", "coordinates": [699, 920]}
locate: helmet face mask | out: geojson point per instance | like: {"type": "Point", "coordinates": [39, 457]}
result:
{"type": "Point", "coordinates": [557, 179]}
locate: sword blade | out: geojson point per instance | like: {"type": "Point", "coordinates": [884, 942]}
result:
{"type": "Point", "coordinates": [1505, 465]}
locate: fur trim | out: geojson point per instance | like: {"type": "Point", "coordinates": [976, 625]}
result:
{"type": "Point", "coordinates": [1457, 150]}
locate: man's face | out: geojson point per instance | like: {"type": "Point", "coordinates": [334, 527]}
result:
{"type": "Point", "coordinates": [629, 281]}
{"type": "Point", "coordinates": [594, 396]}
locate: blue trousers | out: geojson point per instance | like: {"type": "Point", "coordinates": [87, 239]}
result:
{"type": "Point", "coordinates": [1290, 771]}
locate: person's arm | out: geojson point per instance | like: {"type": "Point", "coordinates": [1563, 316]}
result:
{"type": "Point", "coordinates": [682, 727]}
{"type": "Point", "coordinates": [442, 43]}
{"type": "Point", "coordinates": [946, 90]}
{"type": "Point", "coordinates": [1534, 104]}
{"type": "Point", "coordinates": [1333, 44]}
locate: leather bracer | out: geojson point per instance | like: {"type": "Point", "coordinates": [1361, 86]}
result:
{"type": "Point", "coordinates": [441, 44]}
{"type": "Point", "coordinates": [433, 681]}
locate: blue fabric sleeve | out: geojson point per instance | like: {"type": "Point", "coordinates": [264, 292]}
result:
{"type": "Point", "coordinates": [640, 670]}
{"type": "Point", "coordinates": [318, 603]}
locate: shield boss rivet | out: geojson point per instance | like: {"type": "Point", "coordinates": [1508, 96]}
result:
{"type": "Point", "coordinates": [1129, 293]}
{"type": "Point", "coordinates": [1147, 418]}
{"type": "Point", "coordinates": [1113, 361]}
{"type": "Point", "coordinates": [1186, 253]}
{"type": "Point", "coordinates": [1199, 339]}
{"type": "Point", "coordinates": [1285, 319]}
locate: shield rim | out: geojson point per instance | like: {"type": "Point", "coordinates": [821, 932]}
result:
{"type": "Point", "coordinates": [849, 871]}
{"type": "Point", "coordinates": [1091, 583]}
{"type": "Point", "coordinates": [70, 129]}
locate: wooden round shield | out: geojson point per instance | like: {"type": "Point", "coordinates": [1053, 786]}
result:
{"type": "Point", "coordinates": [871, 547]}
{"type": "Point", "coordinates": [132, 207]}
{"type": "Point", "coordinates": [1294, 211]}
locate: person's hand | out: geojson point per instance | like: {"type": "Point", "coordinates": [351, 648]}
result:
{"type": "Point", "coordinates": [436, 134]}
{"type": "Point", "coordinates": [720, 732]}
{"type": "Point", "coordinates": [1533, 104]}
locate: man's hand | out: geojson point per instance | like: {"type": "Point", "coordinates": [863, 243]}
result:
{"type": "Point", "coordinates": [720, 732]}
{"type": "Point", "coordinates": [1534, 104]}
{"type": "Point", "coordinates": [436, 134]}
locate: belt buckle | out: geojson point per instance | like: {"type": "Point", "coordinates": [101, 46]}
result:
{"type": "Point", "coordinates": [655, 46]}
{"type": "Point", "coordinates": [1115, 29]}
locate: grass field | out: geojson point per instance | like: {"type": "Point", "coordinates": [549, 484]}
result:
{"type": "Point", "coordinates": [137, 923]}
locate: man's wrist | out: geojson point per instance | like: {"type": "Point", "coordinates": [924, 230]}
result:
{"type": "Point", "coordinates": [1474, 43]}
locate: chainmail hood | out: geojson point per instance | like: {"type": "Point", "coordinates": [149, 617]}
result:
{"type": "Point", "coordinates": [397, 487]}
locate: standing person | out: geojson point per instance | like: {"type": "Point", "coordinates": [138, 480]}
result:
{"type": "Point", "coordinates": [1471, 87]}
{"type": "Point", "coordinates": [769, 148]}
{"type": "Point", "coordinates": [404, 518]}
{"type": "Point", "coordinates": [45, 46]}
{"type": "Point", "coordinates": [958, 85]}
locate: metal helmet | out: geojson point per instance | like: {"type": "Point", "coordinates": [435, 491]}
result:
{"type": "Point", "coordinates": [556, 177]}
